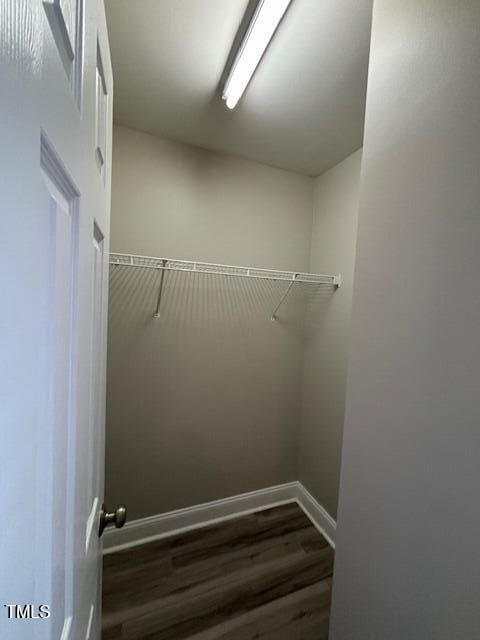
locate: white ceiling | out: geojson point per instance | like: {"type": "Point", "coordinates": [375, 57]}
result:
{"type": "Point", "coordinates": [304, 107]}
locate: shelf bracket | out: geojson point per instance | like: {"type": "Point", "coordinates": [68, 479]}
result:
{"type": "Point", "coordinates": [273, 317]}
{"type": "Point", "coordinates": [160, 289]}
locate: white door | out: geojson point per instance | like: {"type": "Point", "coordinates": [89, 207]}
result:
{"type": "Point", "coordinates": [55, 149]}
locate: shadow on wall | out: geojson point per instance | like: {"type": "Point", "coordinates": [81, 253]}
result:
{"type": "Point", "coordinates": [223, 303]}
{"type": "Point", "coordinates": [206, 399]}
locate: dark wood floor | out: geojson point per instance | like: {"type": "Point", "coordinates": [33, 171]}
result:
{"type": "Point", "coordinates": [262, 576]}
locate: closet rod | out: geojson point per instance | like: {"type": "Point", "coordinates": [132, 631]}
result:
{"type": "Point", "coordinates": [168, 264]}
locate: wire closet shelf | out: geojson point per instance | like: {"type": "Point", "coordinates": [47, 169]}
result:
{"type": "Point", "coordinates": [168, 264]}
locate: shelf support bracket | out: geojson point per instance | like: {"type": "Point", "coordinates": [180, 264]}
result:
{"type": "Point", "coordinates": [160, 290]}
{"type": "Point", "coordinates": [273, 317]}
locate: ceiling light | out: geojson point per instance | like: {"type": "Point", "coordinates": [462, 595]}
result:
{"type": "Point", "coordinates": [259, 33]}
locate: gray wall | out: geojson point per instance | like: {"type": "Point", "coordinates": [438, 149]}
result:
{"type": "Point", "coordinates": [408, 562]}
{"type": "Point", "coordinates": [205, 402]}
{"type": "Point", "coordinates": [336, 198]}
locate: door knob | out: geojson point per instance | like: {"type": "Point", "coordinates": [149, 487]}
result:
{"type": "Point", "coordinates": [117, 517]}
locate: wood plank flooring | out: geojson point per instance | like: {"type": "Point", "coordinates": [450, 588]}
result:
{"type": "Point", "coordinates": [264, 576]}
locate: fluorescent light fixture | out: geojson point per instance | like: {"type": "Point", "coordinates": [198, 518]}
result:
{"type": "Point", "coordinates": [259, 33]}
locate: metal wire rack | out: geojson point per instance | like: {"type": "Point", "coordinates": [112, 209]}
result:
{"type": "Point", "coordinates": [168, 264]}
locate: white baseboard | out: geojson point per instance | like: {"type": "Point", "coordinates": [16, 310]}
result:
{"type": "Point", "coordinates": [319, 516]}
{"type": "Point", "coordinates": [166, 524]}
{"type": "Point", "coordinates": [172, 522]}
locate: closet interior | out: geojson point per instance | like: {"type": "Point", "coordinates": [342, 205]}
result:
{"type": "Point", "coordinates": [231, 271]}
{"type": "Point", "coordinates": [224, 379]}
